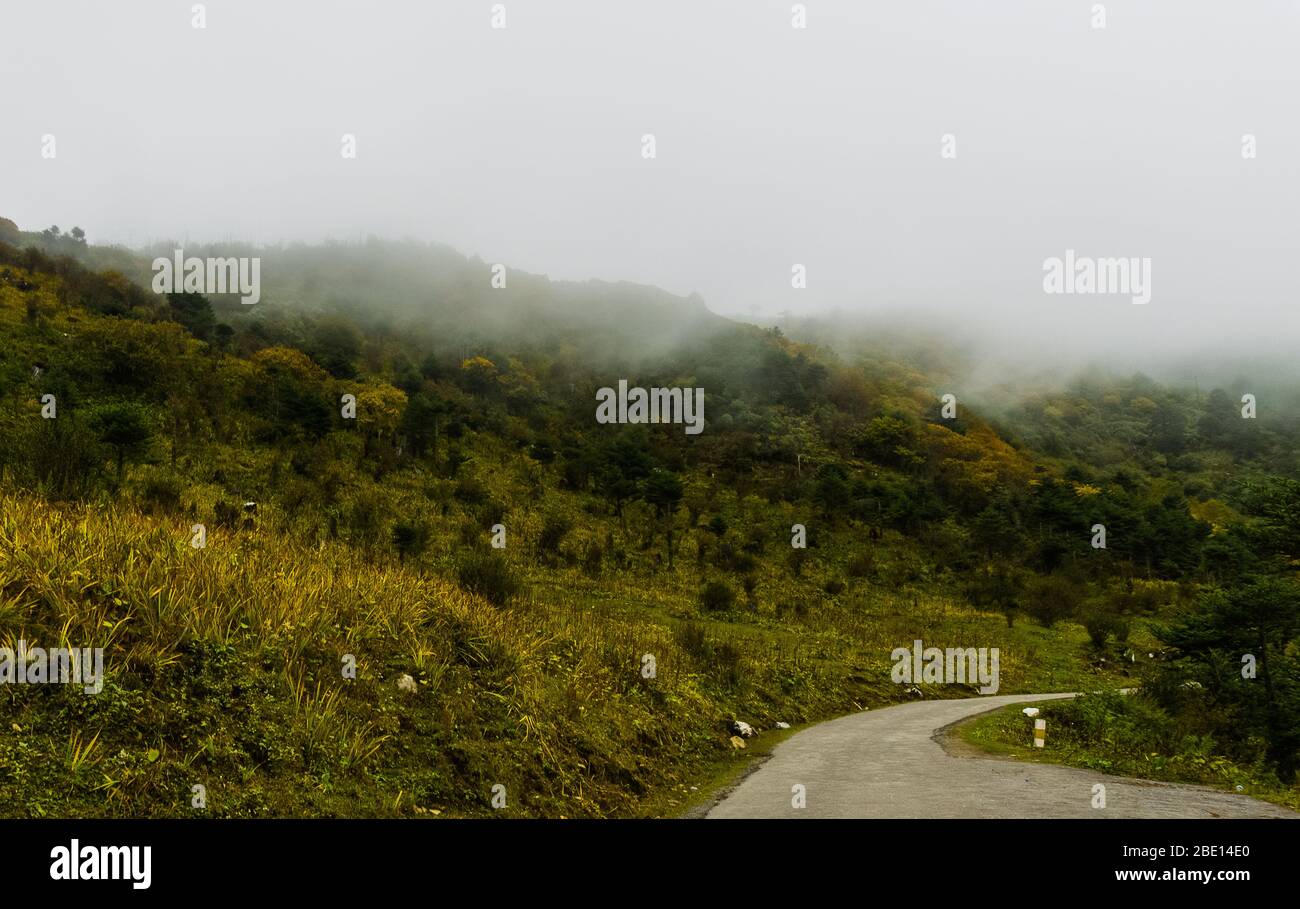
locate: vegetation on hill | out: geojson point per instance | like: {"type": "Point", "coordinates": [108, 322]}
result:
{"type": "Point", "coordinates": [474, 419]}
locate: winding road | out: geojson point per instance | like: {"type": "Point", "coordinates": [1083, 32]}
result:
{"type": "Point", "coordinates": [890, 763]}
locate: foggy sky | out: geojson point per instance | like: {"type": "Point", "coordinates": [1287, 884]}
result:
{"type": "Point", "coordinates": [775, 146]}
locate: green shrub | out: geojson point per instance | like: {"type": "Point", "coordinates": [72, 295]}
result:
{"type": "Point", "coordinates": [469, 491]}
{"type": "Point", "coordinates": [489, 575]}
{"type": "Point", "coordinates": [1051, 599]}
{"type": "Point", "coordinates": [410, 539]}
{"type": "Point", "coordinates": [554, 529]}
{"type": "Point", "coordinates": [717, 597]}
{"type": "Point", "coordinates": [1100, 626]}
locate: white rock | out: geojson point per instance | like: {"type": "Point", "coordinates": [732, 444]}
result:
{"type": "Point", "coordinates": [1030, 711]}
{"type": "Point", "coordinates": [742, 729]}
{"type": "Point", "coordinates": [780, 725]}
{"type": "Point", "coordinates": [406, 683]}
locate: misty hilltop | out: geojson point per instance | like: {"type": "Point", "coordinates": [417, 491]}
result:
{"type": "Point", "coordinates": [429, 289]}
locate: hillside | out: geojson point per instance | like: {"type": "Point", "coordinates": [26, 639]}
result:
{"type": "Point", "coordinates": [373, 537]}
{"type": "Point", "coordinates": [428, 291]}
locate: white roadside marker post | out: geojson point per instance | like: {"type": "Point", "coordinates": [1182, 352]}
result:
{"type": "Point", "coordinates": [1040, 733]}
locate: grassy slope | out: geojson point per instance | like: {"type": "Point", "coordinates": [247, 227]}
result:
{"type": "Point", "coordinates": [224, 670]}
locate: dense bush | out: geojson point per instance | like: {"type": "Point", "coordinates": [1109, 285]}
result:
{"type": "Point", "coordinates": [489, 575]}
{"type": "Point", "coordinates": [717, 597]}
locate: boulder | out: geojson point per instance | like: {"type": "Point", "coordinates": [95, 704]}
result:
{"type": "Point", "coordinates": [742, 729]}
